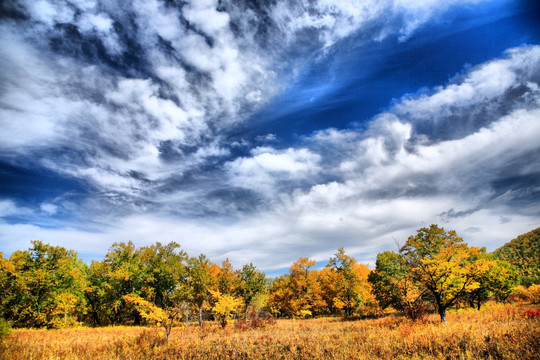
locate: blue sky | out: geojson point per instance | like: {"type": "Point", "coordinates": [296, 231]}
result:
{"type": "Point", "coordinates": [265, 131]}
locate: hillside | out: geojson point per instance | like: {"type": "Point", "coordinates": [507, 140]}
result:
{"type": "Point", "coordinates": [524, 253]}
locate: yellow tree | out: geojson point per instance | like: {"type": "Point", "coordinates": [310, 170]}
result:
{"type": "Point", "coordinates": [152, 313]}
{"type": "Point", "coordinates": [224, 306]}
{"type": "Point", "coordinates": [67, 302]}
{"type": "Point", "coordinates": [444, 265]}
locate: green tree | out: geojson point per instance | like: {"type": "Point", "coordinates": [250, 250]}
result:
{"type": "Point", "coordinates": [444, 265]}
{"type": "Point", "coordinates": [199, 282]}
{"type": "Point", "coordinates": [124, 275]}
{"type": "Point", "coordinates": [498, 281]}
{"type": "Point", "coordinates": [393, 285]}
{"type": "Point", "coordinates": [163, 273]}
{"type": "Point", "coordinates": [524, 253]}
{"type": "Point", "coordinates": [253, 283]}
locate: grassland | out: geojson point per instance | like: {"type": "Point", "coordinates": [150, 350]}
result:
{"type": "Point", "coordinates": [495, 332]}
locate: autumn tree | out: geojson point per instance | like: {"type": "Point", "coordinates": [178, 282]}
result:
{"type": "Point", "coordinates": [281, 297]}
{"type": "Point", "coordinates": [224, 306]}
{"type": "Point", "coordinates": [329, 280]}
{"type": "Point", "coordinates": [42, 286]}
{"type": "Point", "coordinates": [95, 292]}
{"type": "Point", "coordinates": [443, 265]}
{"type": "Point", "coordinates": [227, 280]}
{"type": "Point", "coordinates": [393, 285]}
{"type": "Point", "coordinates": [297, 292]}
{"type": "Point", "coordinates": [348, 287]}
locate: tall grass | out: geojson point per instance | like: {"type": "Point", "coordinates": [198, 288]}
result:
{"type": "Point", "coordinates": [496, 332]}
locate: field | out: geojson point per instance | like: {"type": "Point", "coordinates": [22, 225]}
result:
{"type": "Point", "coordinates": [496, 332]}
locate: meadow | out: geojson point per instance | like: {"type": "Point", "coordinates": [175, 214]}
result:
{"type": "Point", "coordinates": [496, 332]}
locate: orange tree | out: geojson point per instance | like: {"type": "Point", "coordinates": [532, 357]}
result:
{"type": "Point", "coordinates": [349, 288]}
{"type": "Point", "coordinates": [297, 292]}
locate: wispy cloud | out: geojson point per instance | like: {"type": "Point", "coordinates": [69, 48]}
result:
{"type": "Point", "coordinates": [144, 104]}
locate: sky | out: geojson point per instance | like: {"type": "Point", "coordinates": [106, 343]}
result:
{"type": "Point", "coordinates": [263, 131]}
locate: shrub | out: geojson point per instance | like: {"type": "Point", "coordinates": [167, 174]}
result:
{"type": "Point", "coordinates": [534, 294]}
{"type": "Point", "coordinates": [5, 329]}
{"type": "Point", "coordinates": [520, 294]}
{"type": "Point", "coordinates": [532, 314]}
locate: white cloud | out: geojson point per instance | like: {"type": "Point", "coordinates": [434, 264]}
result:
{"type": "Point", "coordinates": [267, 167]}
{"type": "Point", "coordinates": [48, 208]}
{"type": "Point", "coordinates": [9, 208]}
{"type": "Point", "coordinates": [486, 82]}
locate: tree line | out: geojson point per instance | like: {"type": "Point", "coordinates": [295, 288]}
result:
{"type": "Point", "coordinates": [49, 286]}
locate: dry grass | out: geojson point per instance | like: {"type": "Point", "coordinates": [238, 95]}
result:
{"type": "Point", "coordinates": [496, 332]}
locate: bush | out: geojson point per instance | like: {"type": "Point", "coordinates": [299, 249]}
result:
{"type": "Point", "coordinates": [5, 329]}
{"type": "Point", "coordinates": [532, 314]}
{"type": "Point", "coordinates": [534, 294]}
{"type": "Point", "coordinates": [520, 294]}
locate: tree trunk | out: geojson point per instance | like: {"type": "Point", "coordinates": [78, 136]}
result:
{"type": "Point", "coordinates": [201, 316]}
{"type": "Point", "coordinates": [95, 318]}
{"type": "Point", "coordinates": [442, 313]}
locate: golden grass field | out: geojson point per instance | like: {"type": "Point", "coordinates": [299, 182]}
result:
{"type": "Point", "coordinates": [496, 332]}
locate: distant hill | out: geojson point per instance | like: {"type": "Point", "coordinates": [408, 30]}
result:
{"type": "Point", "coordinates": [524, 253]}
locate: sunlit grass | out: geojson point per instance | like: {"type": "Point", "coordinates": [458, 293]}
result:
{"type": "Point", "coordinates": [496, 332]}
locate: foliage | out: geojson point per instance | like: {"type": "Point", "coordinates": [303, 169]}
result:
{"type": "Point", "coordinates": [534, 294]}
{"type": "Point", "coordinates": [297, 293]}
{"type": "Point", "coordinates": [524, 253]}
{"type": "Point", "coordinates": [225, 306]}
{"type": "Point", "coordinates": [42, 286]}
{"type": "Point", "coordinates": [347, 286]}
{"type": "Point", "coordinates": [253, 283]}
{"type": "Point", "coordinates": [443, 265]}
{"type": "Point", "coordinates": [497, 282]}
{"type": "Point", "coordinates": [199, 283]}
{"type": "Point", "coordinates": [48, 286]}
{"type": "Point", "coordinates": [393, 285]}
{"type": "Point", "coordinates": [5, 329]}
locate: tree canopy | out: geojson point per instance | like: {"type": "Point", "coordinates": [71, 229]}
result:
{"type": "Point", "coordinates": [49, 286]}
{"type": "Point", "coordinates": [524, 253]}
